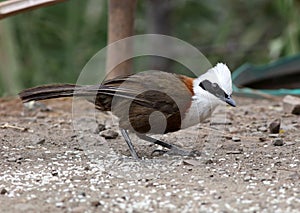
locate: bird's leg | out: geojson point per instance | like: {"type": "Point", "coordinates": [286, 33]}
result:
{"type": "Point", "coordinates": [129, 143]}
{"type": "Point", "coordinates": [173, 149]}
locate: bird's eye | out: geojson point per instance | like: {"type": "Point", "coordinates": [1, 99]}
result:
{"type": "Point", "coordinates": [202, 86]}
{"type": "Point", "coordinates": [214, 85]}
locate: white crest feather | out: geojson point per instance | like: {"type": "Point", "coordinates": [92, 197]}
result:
{"type": "Point", "coordinates": [221, 75]}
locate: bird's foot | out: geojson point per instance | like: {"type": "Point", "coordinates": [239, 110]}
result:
{"type": "Point", "coordinates": [177, 151]}
{"type": "Point", "coordinates": [172, 149]}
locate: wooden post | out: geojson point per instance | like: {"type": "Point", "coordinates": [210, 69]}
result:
{"type": "Point", "coordinates": [120, 25]}
{"type": "Point", "coordinates": [158, 20]}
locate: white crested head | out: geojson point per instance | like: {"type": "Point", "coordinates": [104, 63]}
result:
{"type": "Point", "coordinates": [221, 75]}
{"type": "Point", "coordinates": [210, 90]}
{"type": "Point", "coordinates": [216, 83]}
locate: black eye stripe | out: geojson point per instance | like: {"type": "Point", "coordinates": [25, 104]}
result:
{"type": "Point", "coordinates": [203, 85]}
{"type": "Point", "coordinates": [213, 88]}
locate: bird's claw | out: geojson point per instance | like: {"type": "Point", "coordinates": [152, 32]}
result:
{"type": "Point", "coordinates": [177, 151]}
{"type": "Point", "coordinates": [158, 152]}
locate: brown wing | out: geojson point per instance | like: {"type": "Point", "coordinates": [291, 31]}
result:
{"type": "Point", "coordinates": [134, 98]}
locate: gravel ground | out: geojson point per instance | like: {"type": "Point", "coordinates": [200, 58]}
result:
{"type": "Point", "coordinates": [51, 164]}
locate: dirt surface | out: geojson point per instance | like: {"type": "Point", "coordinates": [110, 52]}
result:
{"type": "Point", "coordinates": [53, 162]}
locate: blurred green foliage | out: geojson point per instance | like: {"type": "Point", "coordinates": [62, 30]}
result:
{"type": "Point", "coordinates": [52, 44]}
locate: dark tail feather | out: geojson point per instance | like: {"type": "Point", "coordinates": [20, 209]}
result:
{"type": "Point", "coordinates": [47, 92]}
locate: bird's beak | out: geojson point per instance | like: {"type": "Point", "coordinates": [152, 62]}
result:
{"type": "Point", "coordinates": [230, 101]}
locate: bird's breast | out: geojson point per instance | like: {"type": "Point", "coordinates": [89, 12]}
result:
{"type": "Point", "coordinates": [198, 112]}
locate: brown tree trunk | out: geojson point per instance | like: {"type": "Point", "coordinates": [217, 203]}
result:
{"type": "Point", "coordinates": [158, 14]}
{"type": "Point", "coordinates": [120, 25]}
{"type": "Point", "coordinates": [158, 17]}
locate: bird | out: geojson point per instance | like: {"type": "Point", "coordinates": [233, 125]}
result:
{"type": "Point", "coordinates": [150, 102]}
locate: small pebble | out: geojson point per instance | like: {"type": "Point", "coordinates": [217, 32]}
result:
{"type": "Point", "coordinates": [291, 104]}
{"type": "Point", "coordinates": [40, 141]}
{"type": "Point", "coordinates": [109, 134]}
{"type": "Point", "coordinates": [100, 128]}
{"type": "Point", "coordinates": [221, 122]}
{"type": "Point", "coordinates": [277, 142]}
{"type": "Point", "coordinates": [12, 159]}
{"type": "Point", "coordinates": [209, 161]}
{"type": "Point", "coordinates": [15, 159]}
{"type": "Point", "coordinates": [262, 129]}
{"type": "Point", "coordinates": [59, 204]}
{"type": "Point", "coordinates": [3, 191]}
{"type": "Point", "coordinates": [274, 126]}
{"type": "Point", "coordinates": [235, 152]}
{"type": "Point", "coordinates": [262, 139]}
{"type": "Point", "coordinates": [247, 178]}
{"type": "Point", "coordinates": [191, 162]}
{"type": "Point", "coordinates": [235, 139]}
{"type": "Point", "coordinates": [95, 203]}
{"type": "Point", "coordinates": [273, 135]}
{"type": "Point", "coordinates": [87, 168]}
{"type": "Point", "coordinates": [289, 143]}
{"type": "Point", "coordinates": [233, 130]}
{"type": "Point", "coordinates": [54, 173]}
